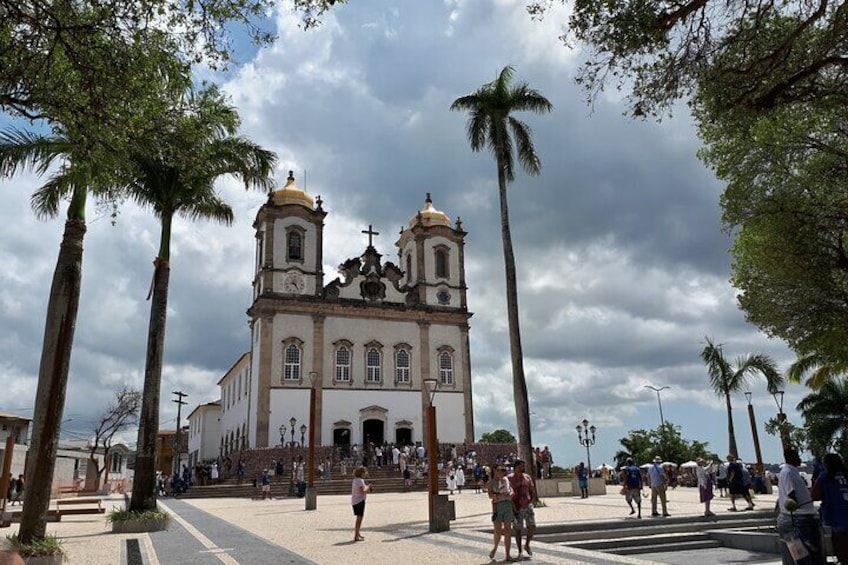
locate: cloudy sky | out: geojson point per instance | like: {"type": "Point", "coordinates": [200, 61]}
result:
{"type": "Point", "coordinates": [623, 267]}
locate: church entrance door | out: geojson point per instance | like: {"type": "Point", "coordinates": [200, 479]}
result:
{"type": "Point", "coordinates": [403, 436]}
{"type": "Point", "coordinates": [341, 439]}
{"type": "Point", "coordinates": [372, 432]}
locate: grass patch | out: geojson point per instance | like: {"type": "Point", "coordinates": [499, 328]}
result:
{"type": "Point", "coordinates": [118, 515]}
{"type": "Point", "coordinates": [48, 545]}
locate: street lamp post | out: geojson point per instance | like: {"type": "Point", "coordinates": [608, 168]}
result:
{"type": "Point", "coordinates": [436, 510]}
{"type": "Point", "coordinates": [292, 423]}
{"type": "Point", "coordinates": [659, 401]}
{"type": "Point", "coordinates": [311, 494]}
{"type": "Point", "coordinates": [757, 452]}
{"type": "Point", "coordinates": [584, 438]}
{"type": "Point", "coordinates": [781, 419]}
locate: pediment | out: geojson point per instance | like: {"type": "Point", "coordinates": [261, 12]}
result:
{"type": "Point", "coordinates": [403, 424]}
{"type": "Point", "coordinates": [342, 424]}
{"type": "Point", "coordinates": [374, 408]}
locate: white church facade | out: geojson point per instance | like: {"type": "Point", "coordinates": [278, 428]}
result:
{"type": "Point", "coordinates": [368, 338]}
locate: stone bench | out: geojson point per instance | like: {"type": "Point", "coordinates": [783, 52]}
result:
{"type": "Point", "coordinates": [91, 505]}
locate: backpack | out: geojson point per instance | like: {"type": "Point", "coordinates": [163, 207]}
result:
{"type": "Point", "coordinates": [633, 477]}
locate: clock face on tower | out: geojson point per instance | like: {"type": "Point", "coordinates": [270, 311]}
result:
{"type": "Point", "coordinates": [294, 284]}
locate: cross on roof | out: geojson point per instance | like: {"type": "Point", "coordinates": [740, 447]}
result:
{"type": "Point", "coordinates": [371, 233]}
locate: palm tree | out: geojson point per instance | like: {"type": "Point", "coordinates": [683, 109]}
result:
{"type": "Point", "coordinates": [491, 125]}
{"type": "Point", "coordinates": [825, 414]}
{"type": "Point", "coordinates": [27, 150]}
{"type": "Point", "coordinates": [175, 175]}
{"type": "Point", "coordinates": [726, 379]}
{"type": "Point", "coordinates": [816, 368]}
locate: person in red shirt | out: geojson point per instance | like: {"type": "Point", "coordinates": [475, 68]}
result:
{"type": "Point", "coordinates": [523, 495]}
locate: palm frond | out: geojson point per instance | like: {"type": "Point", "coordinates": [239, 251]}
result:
{"type": "Point", "coordinates": [524, 142]}
{"type": "Point", "coordinates": [21, 149]}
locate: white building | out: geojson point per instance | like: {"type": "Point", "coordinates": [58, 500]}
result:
{"type": "Point", "coordinates": [370, 337]}
{"type": "Point", "coordinates": [204, 433]}
{"type": "Point", "coordinates": [16, 427]}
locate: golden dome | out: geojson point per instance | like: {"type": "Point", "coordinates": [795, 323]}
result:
{"type": "Point", "coordinates": [429, 216]}
{"type": "Point", "coordinates": [291, 194]}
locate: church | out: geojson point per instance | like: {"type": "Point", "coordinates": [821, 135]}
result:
{"type": "Point", "coordinates": [368, 337]}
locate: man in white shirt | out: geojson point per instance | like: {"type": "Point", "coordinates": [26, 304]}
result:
{"type": "Point", "coordinates": [659, 480]}
{"type": "Point", "coordinates": [798, 520]}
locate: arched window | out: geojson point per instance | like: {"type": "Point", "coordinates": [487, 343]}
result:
{"type": "Point", "coordinates": [402, 366]}
{"type": "Point", "coordinates": [294, 246]}
{"type": "Point", "coordinates": [343, 364]}
{"type": "Point", "coordinates": [291, 367]}
{"type": "Point", "coordinates": [373, 369]}
{"type": "Point", "coordinates": [445, 368]}
{"type": "Point", "coordinates": [442, 263]}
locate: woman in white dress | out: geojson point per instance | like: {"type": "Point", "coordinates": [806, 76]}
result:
{"type": "Point", "coordinates": [450, 477]}
{"type": "Point", "coordinates": [460, 478]}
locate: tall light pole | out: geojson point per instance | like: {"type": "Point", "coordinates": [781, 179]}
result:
{"type": "Point", "coordinates": [311, 494]}
{"type": "Point", "coordinates": [179, 401]}
{"type": "Point", "coordinates": [586, 440]}
{"type": "Point", "coordinates": [781, 419]}
{"type": "Point", "coordinates": [438, 523]}
{"type": "Point", "coordinates": [659, 401]}
{"type": "Point", "coordinates": [757, 452]}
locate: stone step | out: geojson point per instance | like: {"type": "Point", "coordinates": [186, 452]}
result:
{"type": "Point", "coordinates": [662, 547]}
{"type": "Point", "coordinates": [648, 521]}
{"type": "Point", "coordinates": [649, 527]}
{"type": "Point", "coordinates": [616, 543]}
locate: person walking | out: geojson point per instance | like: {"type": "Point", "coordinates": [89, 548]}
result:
{"type": "Point", "coordinates": [736, 484]}
{"type": "Point", "coordinates": [19, 491]}
{"type": "Point", "coordinates": [582, 479]}
{"type": "Point", "coordinates": [831, 487]}
{"type": "Point", "coordinates": [460, 478]}
{"type": "Point", "coordinates": [523, 494]}
{"type": "Point", "coordinates": [721, 479]}
{"type": "Point", "coordinates": [502, 512]}
{"type": "Point", "coordinates": [659, 484]}
{"type": "Point", "coordinates": [632, 481]}
{"type": "Point", "coordinates": [705, 473]}
{"type": "Point", "coordinates": [358, 493]}
{"type": "Point", "coordinates": [797, 519]}
{"type": "Point", "coordinates": [450, 478]}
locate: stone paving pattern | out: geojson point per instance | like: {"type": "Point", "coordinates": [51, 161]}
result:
{"type": "Point", "coordinates": [256, 532]}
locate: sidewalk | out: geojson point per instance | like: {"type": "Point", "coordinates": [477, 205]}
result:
{"type": "Point", "coordinates": [255, 532]}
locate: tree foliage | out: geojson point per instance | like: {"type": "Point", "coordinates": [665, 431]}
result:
{"type": "Point", "coordinates": [727, 379]}
{"type": "Point", "coordinates": [766, 53]}
{"type": "Point", "coordinates": [666, 442]}
{"type": "Point", "coordinates": [498, 436]}
{"type": "Point", "coordinates": [825, 413]}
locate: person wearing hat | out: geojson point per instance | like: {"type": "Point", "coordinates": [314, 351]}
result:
{"type": "Point", "coordinates": [659, 481]}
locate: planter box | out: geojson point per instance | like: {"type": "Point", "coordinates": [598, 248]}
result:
{"type": "Point", "coordinates": [138, 526]}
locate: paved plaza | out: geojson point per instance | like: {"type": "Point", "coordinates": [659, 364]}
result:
{"type": "Point", "coordinates": [255, 532]}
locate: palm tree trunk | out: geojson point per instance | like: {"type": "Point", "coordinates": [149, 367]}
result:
{"type": "Point", "coordinates": [56, 349]}
{"type": "Point", "coordinates": [144, 483]}
{"type": "Point", "coordinates": [731, 434]}
{"type": "Point", "coordinates": [519, 384]}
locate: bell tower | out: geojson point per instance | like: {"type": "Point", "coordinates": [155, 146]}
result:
{"type": "Point", "coordinates": [289, 243]}
{"type": "Point", "coordinates": [432, 256]}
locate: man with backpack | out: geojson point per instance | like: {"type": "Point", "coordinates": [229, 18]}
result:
{"type": "Point", "coordinates": [632, 481]}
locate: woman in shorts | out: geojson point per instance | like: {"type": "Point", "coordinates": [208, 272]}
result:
{"type": "Point", "coordinates": [502, 515]}
{"type": "Point", "coordinates": [358, 492]}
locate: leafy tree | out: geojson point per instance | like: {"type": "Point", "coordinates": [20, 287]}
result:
{"type": "Point", "coordinates": [175, 175]}
{"type": "Point", "coordinates": [75, 176]}
{"type": "Point", "coordinates": [117, 417]}
{"type": "Point", "coordinates": [665, 441]}
{"type": "Point", "coordinates": [491, 125]}
{"type": "Point", "coordinates": [765, 53]}
{"type": "Point", "coordinates": [819, 369]}
{"type": "Point", "coordinates": [794, 435]}
{"type": "Point", "coordinates": [726, 379]}
{"type": "Point", "coordinates": [825, 413]}
{"type": "Point", "coordinates": [498, 436]}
